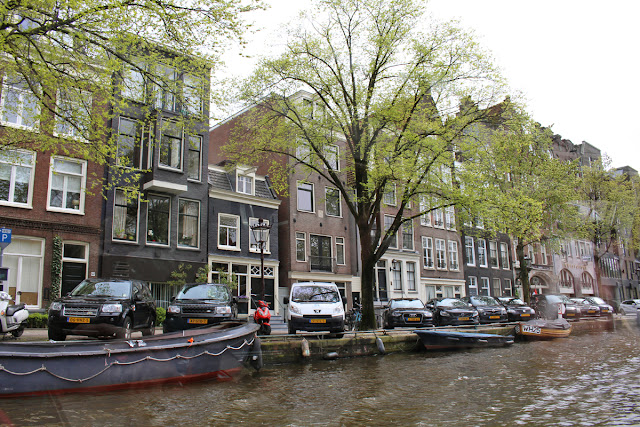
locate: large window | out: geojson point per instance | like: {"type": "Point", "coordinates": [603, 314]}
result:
{"type": "Point", "coordinates": [133, 84]}
{"type": "Point", "coordinates": [470, 251]}
{"type": "Point", "coordinates": [425, 218]}
{"type": "Point", "coordinates": [229, 232]}
{"type": "Point", "coordinates": [484, 282]}
{"type": "Point", "coordinates": [158, 217]}
{"type": "Point", "coordinates": [129, 143]}
{"type": "Point", "coordinates": [171, 145]}
{"type": "Point", "coordinates": [496, 290]}
{"type": "Point", "coordinates": [73, 118]}
{"type": "Point", "coordinates": [305, 197]}
{"type": "Point", "coordinates": [482, 252]}
{"type": "Point", "coordinates": [396, 269]}
{"type": "Point", "coordinates": [441, 254]}
{"type": "Point", "coordinates": [473, 286]}
{"type": "Point", "coordinates": [244, 184]}
{"type": "Point", "coordinates": [453, 255]}
{"type": "Point", "coordinates": [427, 252]}
{"type": "Point", "coordinates": [67, 179]}
{"type": "Point", "coordinates": [407, 235]}
{"type": "Point", "coordinates": [388, 222]}
{"type": "Point", "coordinates": [340, 254]}
{"type": "Point", "coordinates": [166, 95]}
{"type": "Point", "coordinates": [194, 157]}
{"type": "Point", "coordinates": [16, 177]}
{"type": "Point", "coordinates": [301, 246]}
{"type": "Point", "coordinates": [188, 223]}
{"type": "Point", "coordinates": [320, 257]}
{"type": "Point", "coordinates": [19, 105]}
{"type": "Point", "coordinates": [254, 245]}
{"type": "Point", "coordinates": [438, 218]}
{"type": "Point", "coordinates": [193, 89]}
{"type": "Point", "coordinates": [389, 195]}
{"type": "Point", "coordinates": [411, 276]}
{"type": "Point", "coordinates": [504, 255]}
{"type": "Point", "coordinates": [493, 253]}
{"type": "Point", "coordinates": [332, 201]}
{"type": "Point", "coordinates": [450, 218]}
{"type": "Point", "coordinates": [125, 217]}
{"type": "Point", "coordinates": [332, 156]}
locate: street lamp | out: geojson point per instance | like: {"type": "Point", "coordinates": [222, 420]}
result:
{"type": "Point", "coordinates": [260, 232]}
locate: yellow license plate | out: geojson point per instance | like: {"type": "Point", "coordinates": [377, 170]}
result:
{"type": "Point", "coordinates": [198, 321]}
{"type": "Point", "coordinates": [318, 321]}
{"type": "Point", "coordinates": [79, 320]}
{"type": "Point", "coordinates": [413, 319]}
{"type": "Point", "coordinates": [494, 317]}
{"type": "Point", "coordinates": [525, 315]}
{"type": "Point", "coordinates": [463, 318]}
{"type": "Point", "coordinates": [591, 311]}
{"type": "Point", "coordinates": [570, 314]}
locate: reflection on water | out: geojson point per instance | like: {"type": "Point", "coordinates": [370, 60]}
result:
{"type": "Point", "coordinates": [582, 380]}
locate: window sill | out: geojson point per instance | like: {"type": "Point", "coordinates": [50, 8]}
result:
{"type": "Point", "coordinates": [125, 241]}
{"type": "Point", "coordinates": [229, 248]}
{"type": "Point", "coordinates": [188, 248]}
{"type": "Point", "coordinates": [22, 127]}
{"type": "Point", "coordinates": [169, 168]}
{"type": "Point", "coordinates": [160, 245]}
{"type": "Point", "coordinates": [65, 211]}
{"type": "Point", "coordinates": [16, 205]}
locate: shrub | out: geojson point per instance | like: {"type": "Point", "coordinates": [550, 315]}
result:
{"type": "Point", "coordinates": [161, 314]}
{"type": "Point", "coordinates": [37, 320]}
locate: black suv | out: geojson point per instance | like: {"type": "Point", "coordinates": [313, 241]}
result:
{"type": "Point", "coordinates": [103, 308]}
{"type": "Point", "coordinates": [200, 304]}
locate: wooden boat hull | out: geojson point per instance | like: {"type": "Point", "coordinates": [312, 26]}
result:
{"type": "Point", "coordinates": [537, 330]}
{"type": "Point", "coordinates": [32, 368]}
{"type": "Point", "coordinates": [451, 340]}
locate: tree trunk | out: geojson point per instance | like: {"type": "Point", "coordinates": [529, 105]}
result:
{"type": "Point", "coordinates": [367, 283]}
{"type": "Point", "coordinates": [523, 272]}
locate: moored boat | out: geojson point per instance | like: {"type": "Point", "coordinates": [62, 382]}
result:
{"type": "Point", "coordinates": [35, 368]}
{"type": "Point", "coordinates": [451, 340]}
{"type": "Point", "coordinates": [540, 329]}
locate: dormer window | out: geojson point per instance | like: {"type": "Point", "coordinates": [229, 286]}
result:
{"type": "Point", "coordinates": [245, 184]}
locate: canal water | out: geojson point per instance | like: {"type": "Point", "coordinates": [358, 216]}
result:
{"type": "Point", "coordinates": [589, 379]}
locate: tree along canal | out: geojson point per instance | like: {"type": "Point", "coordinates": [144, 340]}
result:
{"type": "Point", "coordinates": [589, 379]}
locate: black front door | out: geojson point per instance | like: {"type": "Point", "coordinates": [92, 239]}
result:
{"type": "Point", "coordinates": [72, 274]}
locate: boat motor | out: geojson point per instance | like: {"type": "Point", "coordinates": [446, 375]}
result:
{"type": "Point", "coordinates": [12, 317]}
{"type": "Point", "coordinates": [262, 317]}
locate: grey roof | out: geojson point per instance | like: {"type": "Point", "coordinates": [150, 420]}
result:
{"type": "Point", "coordinates": [263, 190]}
{"type": "Point", "coordinates": [219, 180]}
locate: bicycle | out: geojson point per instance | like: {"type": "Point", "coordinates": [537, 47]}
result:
{"type": "Point", "coordinates": [354, 318]}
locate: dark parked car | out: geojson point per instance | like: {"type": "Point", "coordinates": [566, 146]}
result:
{"type": "Point", "coordinates": [605, 309]}
{"type": "Point", "coordinates": [517, 309]}
{"type": "Point", "coordinates": [406, 312]}
{"type": "Point", "coordinates": [548, 307]}
{"type": "Point", "coordinates": [103, 308]}
{"type": "Point", "coordinates": [587, 308]}
{"type": "Point", "coordinates": [452, 311]}
{"type": "Point", "coordinates": [200, 304]}
{"type": "Point", "coordinates": [489, 309]}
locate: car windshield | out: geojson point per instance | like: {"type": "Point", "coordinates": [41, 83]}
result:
{"type": "Point", "coordinates": [452, 302]}
{"type": "Point", "coordinates": [579, 300]}
{"type": "Point", "coordinates": [315, 294]}
{"type": "Point", "coordinates": [403, 303]}
{"type": "Point", "coordinates": [515, 301]}
{"type": "Point", "coordinates": [596, 300]}
{"type": "Point", "coordinates": [103, 288]}
{"type": "Point", "coordinates": [483, 300]}
{"type": "Point", "coordinates": [562, 298]}
{"type": "Point", "coordinates": [205, 291]}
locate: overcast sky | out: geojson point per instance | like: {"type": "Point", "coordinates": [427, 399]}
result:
{"type": "Point", "coordinates": [576, 62]}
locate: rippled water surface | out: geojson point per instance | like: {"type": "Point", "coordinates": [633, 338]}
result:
{"type": "Point", "coordinates": [582, 380]}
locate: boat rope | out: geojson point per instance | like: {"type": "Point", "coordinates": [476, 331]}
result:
{"type": "Point", "coordinates": [117, 362]}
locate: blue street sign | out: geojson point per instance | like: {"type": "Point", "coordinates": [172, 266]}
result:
{"type": "Point", "coordinates": [5, 237]}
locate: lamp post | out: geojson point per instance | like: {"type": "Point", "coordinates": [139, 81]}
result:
{"type": "Point", "coordinates": [260, 232]}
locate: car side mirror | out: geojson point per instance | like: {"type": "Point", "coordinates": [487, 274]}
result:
{"type": "Point", "coordinates": [285, 300]}
{"type": "Point", "coordinates": [173, 298]}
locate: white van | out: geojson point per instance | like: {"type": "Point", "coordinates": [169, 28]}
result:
{"type": "Point", "coordinates": [315, 306]}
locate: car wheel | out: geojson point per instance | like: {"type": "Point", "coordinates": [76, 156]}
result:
{"type": "Point", "coordinates": [56, 335]}
{"type": "Point", "coordinates": [125, 331]}
{"type": "Point", "coordinates": [388, 326]}
{"type": "Point", "coordinates": [292, 330]}
{"type": "Point", "coordinates": [151, 330]}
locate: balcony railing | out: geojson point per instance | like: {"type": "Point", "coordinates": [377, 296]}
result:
{"type": "Point", "coordinates": [321, 263]}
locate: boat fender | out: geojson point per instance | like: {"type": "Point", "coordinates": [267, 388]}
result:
{"type": "Point", "coordinates": [304, 344]}
{"type": "Point", "coordinates": [331, 355]}
{"type": "Point", "coordinates": [255, 354]}
{"type": "Point", "coordinates": [380, 345]}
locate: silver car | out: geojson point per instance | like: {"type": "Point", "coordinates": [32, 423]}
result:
{"type": "Point", "coordinates": [630, 306]}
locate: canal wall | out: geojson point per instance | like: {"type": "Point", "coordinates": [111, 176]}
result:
{"type": "Point", "coordinates": [279, 349]}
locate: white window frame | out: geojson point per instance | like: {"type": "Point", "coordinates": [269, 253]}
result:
{"type": "Point", "coordinates": [438, 218]}
{"type": "Point", "coordinates": [407, 244]}
{"type": "Point", "coordinates": [113, 220]}
{"type": "Point", "coordinates": [411, 276]}
{"type": "Point", "coordinates": [152, 243]}
{"type": "Point", "coordinates": [493, 249]}
{"type": "Point", "coordinates": [165, 124]}
{"type": "Point", "coordinates": [452, 247]}
{"type": "Point", "coordinates": [340, 249]}
{"type": "Point", "coordinates": [389, 196]}
{"type": "Point", "coordinates": [226, 247]}
{"type": "Point", "coordinates": [197, 234]}
{"type": "Point", "coordinates": [83, 184]}
{"type": "Point", "coordinates": [253, 244]}
{"type": "Point", "coordinates": [189, 151]}
{"type": "Point", "coordinates": [504, 255]}
{"type": "Point", "coordinates": [394, 238]}
{"type": "Point", "coordinates": [473, 284]}
{"type": "Point", "coordinates": [499, 287]}
{"type": "Point", "coordinates": [425, 218]}
{"type": "Point", "coordinates": [482, 249]}
{"type": "Point", "coordinates": [471, 260]}
{"type": "Point", "coordinates": [312, 193]}
{"type": "Point", "coordinates": [137, 140]}
{"type": "Point", "coordinates": [301, 237]}
{"type": "Point", "coordinates": [508, 286]}
{"type": "Point", "coordinates": [192, 94]}
{"type": "Point", "coordinates": [428, 259]}
{"type": "Point", "coordinates": [485, 285]}
{"type": "Point", "coordinates": [13, 162]}
{"type": "Point", "coordinates": [245, 184]}
{"type": "Point", "coordinates": [332, 156]}
{"type": "Point", "coordinates": [450, 218]}
{"type": "Point", "coordinates": [133, 89]}
{"type": "Point", "coordinates": [441, 254]}
{"type": "Point", "coordinates": [326, 210]}
{"type": "Point", "coordinates": [18, 109]}
{"type": "Point", "coordinates": [79, 114]}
